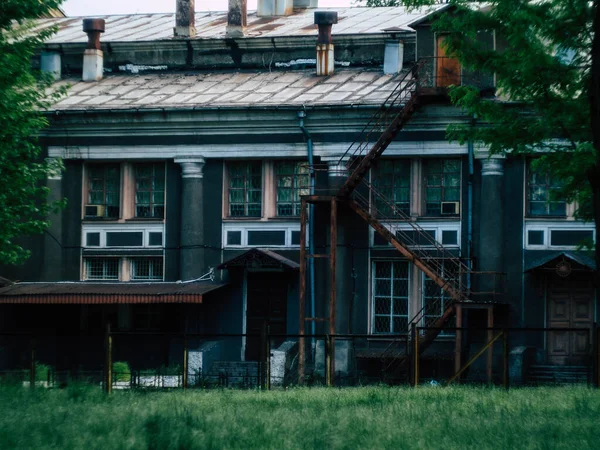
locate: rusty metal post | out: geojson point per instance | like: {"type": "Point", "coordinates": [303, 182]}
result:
{"type": "Point", "coordinates": [185, 362]}
{"type": "Point", "coordinates": [108, 361]}
{"type": "Point", "coordinates": [330, 362]}
{"type": "Point", "coordinates": [32, 367]}
{"type": "Point", "coordinates": [333, 286]}
{"type": "Point", "coordinates": [415, 334]}
{"type": "Point", "coordinates": [459, 338]}
{"type": "Point", "coordinates": [505, 378]}
{"type": "Point", "coordinates": [268, 361]}
{"type": "Point", "coordinates": [302, 294]}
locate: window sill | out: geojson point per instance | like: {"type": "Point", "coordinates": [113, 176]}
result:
{"type": "Point", "coordinates": [546, 218]}
{"type": "Point", "coordinates": [101, 219]}
{"type": "Point", "coordinates": [145, 219]}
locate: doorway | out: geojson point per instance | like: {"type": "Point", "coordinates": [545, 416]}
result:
{"type": "Point", "coordinates": [266, 306]}
{"type": "Point", "coordinates": [448, 70]}
{"type": "Point", "coordinates": [570, 304]}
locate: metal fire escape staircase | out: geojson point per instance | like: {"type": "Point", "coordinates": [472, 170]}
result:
{"type": "Point", "coordinates": [415, 244]}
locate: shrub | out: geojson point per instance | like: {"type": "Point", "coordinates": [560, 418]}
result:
{"type": "Point", "coordinates": [121, 371]}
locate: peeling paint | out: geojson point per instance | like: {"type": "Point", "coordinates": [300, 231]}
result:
{"type": "Point", "coordinates": [133, 68]}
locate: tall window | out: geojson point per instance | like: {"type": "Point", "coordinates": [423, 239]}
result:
{"type": "Point", "coordinates": [245, 189]}
{"type": "Point", "coordinates": [390, 297]}
{"type": "Point", "coordinates": [150, 190]}
{"type": "Point", "coordinates": [442, 187]}
{"type": "Point", "coordinates": [541, 195]}
{"type": "Point", "coordinates": [292, 181]}
{"type": "Point", "coordinates": [392, 180]}
{"type": "Point", "coordinates": [147, 269]}
{"type": "Point", "coordinates": [104, 185]}
{"type": "Point", "coordinates": [102, 268]}
{"type": "Point", "coordinates": [435, 299]}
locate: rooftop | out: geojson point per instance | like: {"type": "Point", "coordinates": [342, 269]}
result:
{"type": "Point", "coordinates": [349, 86]}
{"type": "Point", "coordinates": [211, 25]}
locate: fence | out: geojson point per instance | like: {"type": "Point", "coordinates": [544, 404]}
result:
{"type": "Point", "coordinates": [134, 360]}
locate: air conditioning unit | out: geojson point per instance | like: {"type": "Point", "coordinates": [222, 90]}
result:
{"type": "Point", "coordinates": [95, 210]}
{"type": "Point", "coordinates": [450, 208]}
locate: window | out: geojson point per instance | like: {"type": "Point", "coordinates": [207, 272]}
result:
{"type": "Point", "coordinates": [392, 180]}
{"type": "Point", "coordinates": [435, 299]}
{"type": "Point", "coordinates": [102, 269]}
{"type": "Point", "coordinates": [104, 183]}
{"type": "Point", "coordinates": [150, 190]}
{"type": "Point", "coordinates": [442, 187]}
{"type": "Point", "coordinates": [245, 189]}
{"type": "Point", "coordinates": [292, 181]}
{"type": "Point", "coordinates": [147, 269]}
{"type": "Point", "coordinates": [542, 197]}
{"type": "Point", "coordinates": [390, 297]}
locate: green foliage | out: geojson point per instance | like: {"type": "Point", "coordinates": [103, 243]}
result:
{"type": "Point", "coordinates": [369, 417]}
{"type": "Point", "coordinates": [122, 371]}
{"type": "Point", "coordinates": [24, 95]}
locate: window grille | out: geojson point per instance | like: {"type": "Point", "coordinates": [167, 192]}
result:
{"type": "Point", "coordinates": [542, 198]}
{"type": "Point", "coordinates": [292, 181]}
{"type": "Point", "coordinates": [104, 186]}
{"type": "Point", "coordinates": [442, 184]}
{"type": "Point", "coordinates": [435, 299]}
{"type": "Point", "coordinates": [392, 180]}
{"type": "Point", "coordinates": [102, 269]}
{"type": "Point", "coordinates": [390, 297]}
{"type": "Point", "coordinates": [150, 190]}
{"type": "Point", "coordinates": [245, 189]}
{"type": "Point", "coordinates": [150, 269]}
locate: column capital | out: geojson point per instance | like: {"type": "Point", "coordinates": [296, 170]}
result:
{"type": "Point", "coordinates": [492, 166]}
{"type": "Point", "coordinates": [191, 166]}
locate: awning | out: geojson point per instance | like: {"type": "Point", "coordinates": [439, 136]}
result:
{"type": "Point", "coordinates": [580, 261]}
{"type": "Point", "coordinates": [81, 292]}
{"type": "Point", "coordinates": [260, 258]}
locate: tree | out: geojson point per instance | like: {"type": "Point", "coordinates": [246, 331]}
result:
{"type": "Point", "coordinates": [24, 95]}
{"type": "Point", "coordinates": [549, 69]}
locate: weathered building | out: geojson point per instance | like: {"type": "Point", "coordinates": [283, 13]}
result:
{"type": "Point", "coordinates": [187, 152]}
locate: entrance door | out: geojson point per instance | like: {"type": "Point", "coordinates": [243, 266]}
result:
{"type": "Point", "coordinates": [570, 305]}
{"type": "Point", "coordinates": [447, 69]}
{"type": "Point", "coordinates": [266, 297]}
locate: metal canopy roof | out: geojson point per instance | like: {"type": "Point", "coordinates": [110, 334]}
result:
{"type": "Point", "coordinates": [211, 24]}
{"type": "Point", "coordinates": [585, 262]}
{"type": "Point", "coordinates": [260, 258]}
{"type": "Point", "coordinates": [105, 292]}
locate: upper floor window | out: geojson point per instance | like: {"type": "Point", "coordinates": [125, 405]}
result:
{"type": "Point", "coordinates": [102, 268]}
{"type": "Point", "coordinates": [245, 188]}
{"type": "Point", "coordinates": [292, 181]}
{"type": "Point", "coordinates": [542, 198]}
{"type": "Point", "coordinates": [442, 187]}
{"type": "Point", "coordinates": [390, 296]}
{"type": "Point", "coordinates": [104, 191]}
{"type": "Point", "coordinates": [150, 269]}
{"type": "Point", "coordinates": [150, 190]}
{"type": "Point", "coordinates": [123, 268]}
{"type": "Point", "coordinates": [392, 181]}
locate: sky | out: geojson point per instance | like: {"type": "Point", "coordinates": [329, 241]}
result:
{"type": "Point", "coordinates": [105, 7]}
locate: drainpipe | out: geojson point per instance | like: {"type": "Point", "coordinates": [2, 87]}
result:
{"type": "Point", "coordinates": [471, 151]}
{"type": "Point", "coordinates": [311, 222]}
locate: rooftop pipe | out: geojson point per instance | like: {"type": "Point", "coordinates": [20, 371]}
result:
{"type": "Point", "coordinates": [325, 58]}
{"type": "Point", "coordinates": [93, 57]}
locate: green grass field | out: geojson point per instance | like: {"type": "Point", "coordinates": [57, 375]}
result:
{"type": "Point", "coordinates": [352, 418]}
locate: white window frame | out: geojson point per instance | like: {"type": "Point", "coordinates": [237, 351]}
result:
{"type": "Point", "coordinates": [436, 226]}
{"type": "Point", "coordinates": [101, 228]}
{"type": "Point", "coordinates": [244, 228]}
{"type": "Point", "coordinates": [548, 226]}
{"type": "Point", "coordinates": [372, 302]}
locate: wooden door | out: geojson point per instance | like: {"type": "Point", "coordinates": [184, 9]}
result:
{"type": "Point", "coordinates": [570, 305]}
{"type": "Point", "coordinates": [447, 69]}
{"type": "Point", "coordinates": [266, 297]}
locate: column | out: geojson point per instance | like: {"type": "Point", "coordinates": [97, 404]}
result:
{"type": "Point", "coordinates": [491, 229]}
{"type": "Point", "coordinates": [191, 238]}
{"type": "Point", "coordinates": [52, 268]}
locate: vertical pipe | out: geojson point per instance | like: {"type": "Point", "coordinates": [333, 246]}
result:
{"type": "Point", "coordinates": [505, 379]}
{"type": "Point", "coordinates": [302, 294]}
{"type": "Point", "coordinates": [416, 354]}
{"type": "Point", "coordinates": [490, 351]}
{"type": "Point", "coordinates": [32, 367]}
{"type": "Point", "coordinates": [597, 356]}
{"type": "Point", "coordinates": [470, 211]}
{"type": "Point", "coordinates": [108, 363]}
{"type": "Point", "coordinates": [459, 338]}
{"type": "Point", "coordinates": [268, 361]}
{"type": "Point", "coordinates": [185, 362]}
{"type": "Point", "coordinates": [333, 285]}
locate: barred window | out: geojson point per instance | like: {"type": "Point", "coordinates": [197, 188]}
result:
{"type": "Point", "coordinates": [150, 269]}
{"type": "Point", "coordinates": [150, 190]}
{"type": "Point", "coordinates": [442, 185]}
{"type": "Point", "coordinates": [104, 186]}
{"type": "Point", "coordinates": [292, 181]}
{"type": "Point", "coordinates": [102, 268]}
{"type": "Point", "coordinates": [245, 188]}
{"type": "Point", "coordinates": [392, 180]}
{"type": "Point", "coordinates": [436, 300]}
{"type": "Point", "coordinates": [542, 199]}
{"type": "Point", "coordinates": [390, 297]}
